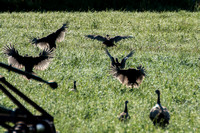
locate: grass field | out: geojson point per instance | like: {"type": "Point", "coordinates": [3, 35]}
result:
{"type": "Point", "coordinates": [167, 44]}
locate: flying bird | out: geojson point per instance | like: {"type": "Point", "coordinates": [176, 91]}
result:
{"type": "Point", "coordinates": [40, 62]}
{"type": "Point", "coordinates": [124, 115]}
{"type": "Point", "coordinates": [159, 114]}
{"type": "Point", "coordinates": [115, 62]}
{"type": "Point", "coordinates": [130, 77]}
{"type": "Point", "coordinates": [50, 40]}
{"type": "Point", "coordinates": [109, 42]}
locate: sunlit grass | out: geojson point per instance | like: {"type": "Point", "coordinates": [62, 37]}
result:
{"type": "Point", "coordinates": [166, 44]}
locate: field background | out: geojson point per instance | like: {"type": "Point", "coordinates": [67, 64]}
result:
{"type": "Point", "coordinates": [165, 43]}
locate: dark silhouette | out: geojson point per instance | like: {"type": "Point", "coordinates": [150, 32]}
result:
{"type": "Point", "coordinates": [40, 63]}
{"type": "Point", "coordinates": [74, 88]}
{"type": "Point", "coordinates": [124, 115]}
{"type": "Point", "coordinates": [130, 77]}
{"type": "Point", "coordinates": [109, 42]}
{"type": "Point", "coordinates": [115, 62]}
{"type": "Point", "coordinates": [159, 114]}
{"type": "Point", "coordinates": [50, 40]}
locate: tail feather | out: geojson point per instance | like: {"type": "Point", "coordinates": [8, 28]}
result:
{"type": "Point", "coordinates": [115, 71]}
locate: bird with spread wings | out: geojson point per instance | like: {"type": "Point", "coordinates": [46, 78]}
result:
{"type": "Point", "coordinates": [50, 40]}
{"type": "Point", "coordinates": [108, 41]}
{"type": "Point", "coordinates": [40, 62]}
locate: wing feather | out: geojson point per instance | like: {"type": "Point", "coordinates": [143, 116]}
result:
{"type": "Point", "coordinates": [123, 62]}
{"type": "Point", "coordinates": [42, 62]}
{"type": "Point", "coordinates": [14, 58]}
{"type": "Point", "coordinates": [111, 58]}
{"type": "Point", "coordinates": [97, 37]}
{"type": "Point", "coordinates": [118, 38]}
{"type": "Point", "coordinates": [60, 33]}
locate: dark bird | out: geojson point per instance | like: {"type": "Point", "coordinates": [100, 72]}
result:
{"type": "Point", "coordinates": [15, 59]}
{"type": "Point", "coordinates": [159, 114]}
{"type": "Point", "coordinates": [124, 115]}
{"type": "Point", "coordinates": [109, 42]}
{"type": "Point", "coordinates": [50, 40]}
{"type": "Point", "coordinates": [74, 88]}
{"type": "Point", "coordinates": [115, 62]}
{"type": "Point", "coordinates": [131, 77]}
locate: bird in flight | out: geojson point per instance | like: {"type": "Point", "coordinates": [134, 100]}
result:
{"type": "Point", "coordinates": [130, 77]}
{"type": "Point", "coordinates": [115, 62]}
{"type": "Point", "coordinates": [50, 40]}
{"type": "Point", "coordinates": [40, 62]}
{"type": "Point", "coordinates": [108, 41]}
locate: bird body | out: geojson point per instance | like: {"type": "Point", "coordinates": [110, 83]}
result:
{"type": "Point", "coordinates": [40, 62]}
{"type": "Point", "coordinates": [159, 114]}
{"type": "Point", "coordinates": [115, 62]}
{"type": "Point", "coordinates": [109, 42]}
{"type": "Point", "coordinates": [130, 77]}
{"type": "Point", "coordinates": [124, 115]}
{"type": "Point", "coordinates": [50, 40]}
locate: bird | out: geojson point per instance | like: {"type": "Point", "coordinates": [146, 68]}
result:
{"type": "Point", "coordinates": [124, 115]}
{"type": "Point", "coordinates": [40, 62]}
{"type": "Point", "coordinates": [74, 88]}
{"type": "Point", "coordinates": [50, 40]}
{"type": "Point", "coordinates": [109, 42]}
{"type": "Point", "coordinates": [115, 62]}
{"type": "Point", "coordinates": [159, 114]}
{"type": "Point", "coordinates": [131, 77]}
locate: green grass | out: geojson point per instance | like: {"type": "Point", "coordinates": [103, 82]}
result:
{"type": "Point", "coordinates": [166, 44]}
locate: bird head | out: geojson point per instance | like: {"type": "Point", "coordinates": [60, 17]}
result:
{"type": "Point", "coordinates": [34, 41]}
{"type": "Point", "coordinates": [157, 92]}
{"type": "Point", "coordinates": [107, 36]}
{"type": "Point", "coordinates": [126, 102]}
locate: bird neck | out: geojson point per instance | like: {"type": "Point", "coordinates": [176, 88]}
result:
{"type": "Point", "coordinates": [75, 86]}
{"type": "Point", "coordinates": [158, 102]}
{"type": "Point", "coordinates": [126, 108]}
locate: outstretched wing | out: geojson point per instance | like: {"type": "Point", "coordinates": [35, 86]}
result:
{"type": "Point", "coordinates": [42, 43]}
{"type": "Point", "coordinates": [111, 58]}
{"type": "Point", "coordinates": [118, 38]}
{"type": "Point", "coordinates": [97, 37]}
{"type": "Point", "coordinates": [60, 33]}
{"type": "Point", "coordinates": [123, 62]}
{"type": "Point", "coordinates": [14, 58]}
{"type": "Point", "coordinates": [42, 61]}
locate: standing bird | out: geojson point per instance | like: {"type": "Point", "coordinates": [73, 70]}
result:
{"type": "Point", "coordinates": [40, 63]}
{"type": "Point", "coordinates": [115, 62]}
{"type": "Point", "coordinates": [159, 114]}
{"type": "Point", "coordinates": [109, 42]}
{"type": "Point", "coordinates": [131, 77]}
{"type": "Point", "coordinates": [74, 88]}
{"type": "Point", "coordinates": [124, 115]}
{"type": "Point", "coordinates": [50, 40]}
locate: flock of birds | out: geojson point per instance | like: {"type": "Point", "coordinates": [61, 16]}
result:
{"type": "Point", "coordinates": [130, 77]}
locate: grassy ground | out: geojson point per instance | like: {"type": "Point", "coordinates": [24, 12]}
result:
{"type": "Point", "coordinates": [166, 44]}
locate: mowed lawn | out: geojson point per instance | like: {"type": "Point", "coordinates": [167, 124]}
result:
{"type": "Point", "coordinates": [167, 44]}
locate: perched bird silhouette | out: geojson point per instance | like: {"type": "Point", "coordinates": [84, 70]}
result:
{"type": "Point", "coordinates": [74, 88]}
{"type": "Point", "coordinates": [50, 40]}
{"type": "Point", "coordinates": [40, 63]}
{"type": "Point", "coordinates": [124, 115]}
{"type": "Point", "coordinates": [159, 114]}
{"type": "Point", "coordinates": [115, 62]}
{"type": "Point", "coordinates": [109, 42]}
{"type": "Point", "coordinates": [131, 77]}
